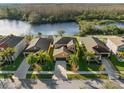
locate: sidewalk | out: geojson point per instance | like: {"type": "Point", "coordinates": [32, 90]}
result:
{"type": "Point", "coordinates": [87, 72]}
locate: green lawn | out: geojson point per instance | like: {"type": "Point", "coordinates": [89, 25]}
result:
{"type": "Point", "coordinates": [41, 76]}
{"type": "Point", "coordinates": [86, 76]}
{"type": "Point", "coordinates": [118, 65]}
{"type": "Point", "coordinates": [83, 66]}
{"type": "Point", "coordinates": [14, 65]}
{"type": "Point", "coordinates": [5, 75]}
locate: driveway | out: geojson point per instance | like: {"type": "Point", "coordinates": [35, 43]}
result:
{"type": "Point", "coordinates": [109, 69]}
{"type": "Point", "coordinates": [60, 70]}
{"type": "Point", "coordinates": [22, 70]}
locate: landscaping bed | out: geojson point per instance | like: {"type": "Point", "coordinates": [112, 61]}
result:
{"type": "Point", "coordinates": [44, 67]}
{"type": "Point", "coordinates": [40, 76]}
{"type": "Point", "coordinates": [13, 66]}
{"type": "Point", "coordinates": [87, 76]}
{"type": "Point", "coordinates": [118, 65]}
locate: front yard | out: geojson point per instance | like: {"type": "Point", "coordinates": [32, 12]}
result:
{"type": "Point", "coordinates": [83, 66]}
{"type": "Point", "coordinates": [118, 65]}
{"type": "Point", "coordinates": [13, 66]}
{"type": "Point", "coordinates": [87, 76]}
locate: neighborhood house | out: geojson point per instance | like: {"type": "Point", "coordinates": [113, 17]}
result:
{"type": "Point", "coordinates": [38, 44]}
{"type": "Point", "coordinates": [16, 42]}
{"type": "Point", "coordinates": [64, 47]}
{"type": "Point", "coordinates": [94, 45]}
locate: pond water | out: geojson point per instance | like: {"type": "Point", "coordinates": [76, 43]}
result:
{"type": "Point", "coordinates": [8, 27]}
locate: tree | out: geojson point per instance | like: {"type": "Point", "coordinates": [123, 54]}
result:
{"type": "Point", "coordinates": [45, 57]}
{"type": "Point", "coordinates": [10, 52]}
{"type": "Point", "coordinates": [74, 62]}
{"type": "Point", "coordinates": [39, 34]}
{"type": "Point", "coordinates": [34, 18]}
{"type": "Point", "coordinates": [61, 32]}
{"type": "Point", "coordinates": [32, 59]}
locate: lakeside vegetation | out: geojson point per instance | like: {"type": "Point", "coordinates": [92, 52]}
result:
{"type": "Point", "coordinates": [105, 27]}
{"type": "Point", "coordinates": [52, 13]}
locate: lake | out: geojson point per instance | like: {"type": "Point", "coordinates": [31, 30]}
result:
{"type": "Point", "coordinates": [8, 27]}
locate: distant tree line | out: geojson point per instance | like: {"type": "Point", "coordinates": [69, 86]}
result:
{"type": "Point", "coordinates": [53, 13]}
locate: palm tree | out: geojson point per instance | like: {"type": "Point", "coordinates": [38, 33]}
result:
{"type": "Point", "coordinates": [44, 56]}
{"type": "Point", "coordinates": [74, 62]}
{"type": "Point", "coordinates": [10, 52]}
{"type": "Point", "coordinates": [2, 56]}
{"type": "Point", "coordinates": [32, 59]}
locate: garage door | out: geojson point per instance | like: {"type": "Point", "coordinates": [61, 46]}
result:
{"type": "Point", "coordinates": [104, 55]}
{"type": "Point", "coordinates": [61, 58]}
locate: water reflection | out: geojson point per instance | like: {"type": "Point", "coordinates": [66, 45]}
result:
{"type": "Point", "coordinates": [21, 28]}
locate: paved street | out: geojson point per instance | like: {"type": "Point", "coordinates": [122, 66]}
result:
{"type": "Point", "coordinates": [60, 84]}
{"type": "Point", "coordinates": [22, 70]}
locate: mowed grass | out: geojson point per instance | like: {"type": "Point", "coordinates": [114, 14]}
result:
{"type": "Point", "coordinates": [13, 66]}
{"type": "Point", "coordinates": [87, 76]}
{"type": "Point", "coordinates": [83, 66]}
{"type": "Point", "coordinates": [118, 65]}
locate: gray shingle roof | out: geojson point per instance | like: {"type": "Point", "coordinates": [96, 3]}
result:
{"type": "Point", "coordinates": [10, 41]}
{"type": "Point", "coordinates": [40, 44]}
{"type": "Point", "coordinates": [88, 42]}
{"type": "Point", "coordinates": [65, 40]}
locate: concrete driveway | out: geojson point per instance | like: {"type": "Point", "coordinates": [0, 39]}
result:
{"type": "Point", "coordinates": [22, 70]}
{"type": "Point", "coordinates": [60, 70]}
{"type": "Point", "coordinates": [109, 69]}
